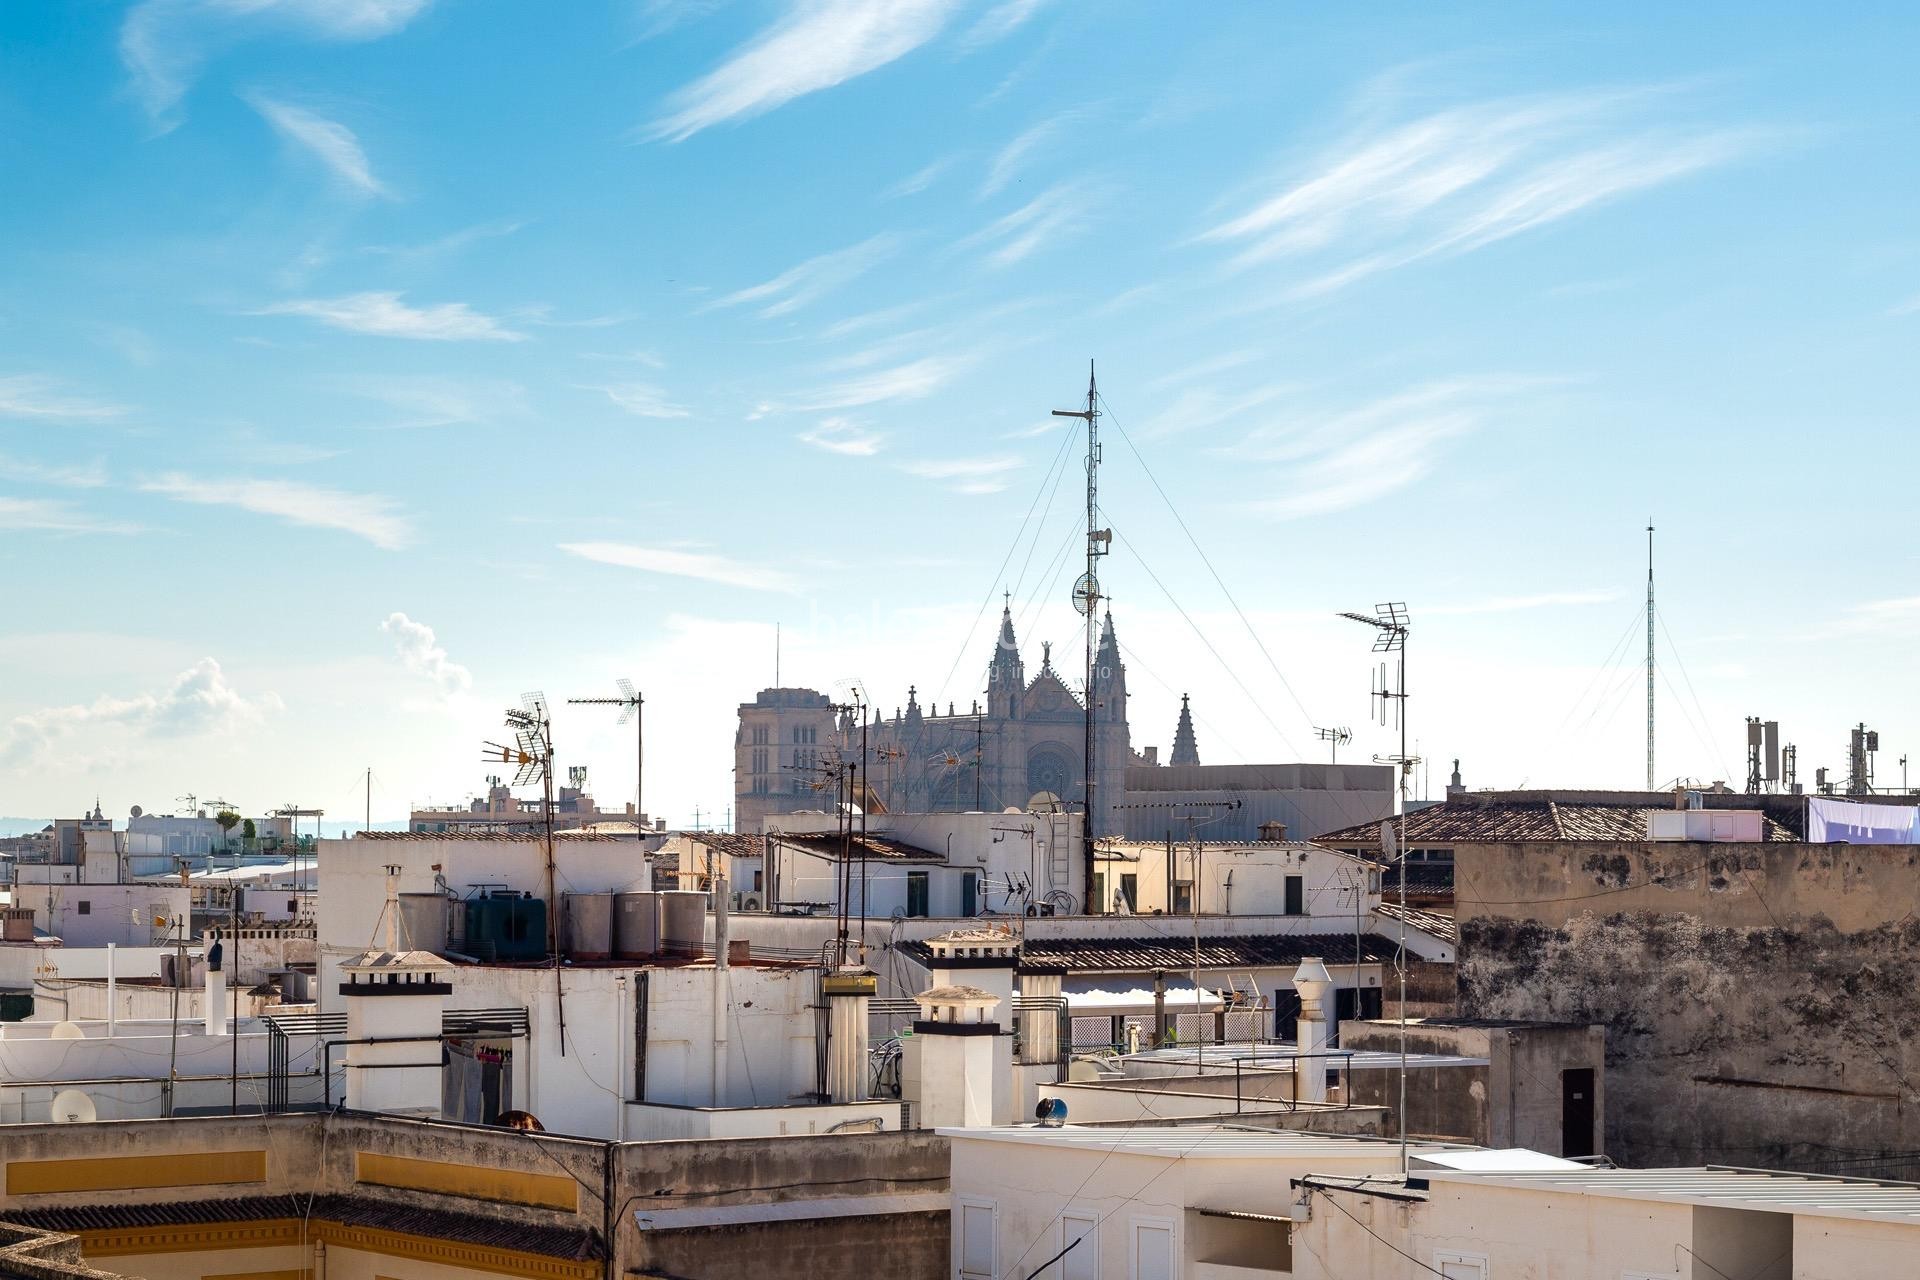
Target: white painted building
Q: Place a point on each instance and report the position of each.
(1245, 877)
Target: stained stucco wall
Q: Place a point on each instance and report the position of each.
(1761, 1001)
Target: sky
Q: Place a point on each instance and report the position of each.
(365, 364)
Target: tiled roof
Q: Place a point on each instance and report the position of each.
(875, 846)
(1431, 922)
(1143, 955)
(738, 844)
(1515, 821)
(555, 1241)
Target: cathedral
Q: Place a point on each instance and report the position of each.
(1027, 739)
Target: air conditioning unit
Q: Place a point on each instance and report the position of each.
(747, 901)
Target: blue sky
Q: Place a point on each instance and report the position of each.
(364, 363)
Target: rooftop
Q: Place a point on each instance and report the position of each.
(1171, 951)
(1221, 1142)
(737, 844)
(833, 846)
(521, 837)
(1727, 1188)
(1524, 816)
(1123, 850)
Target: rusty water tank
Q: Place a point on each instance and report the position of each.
(587, 921)
(636, 925)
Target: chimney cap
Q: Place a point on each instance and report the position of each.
(1312, 969)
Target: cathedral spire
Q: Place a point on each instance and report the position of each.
(1185, 750)
(1007, 675)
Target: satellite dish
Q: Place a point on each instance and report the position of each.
(66, 1031)
(137, 811)
(1086, 593)
(72, 1106)
(1389, 841)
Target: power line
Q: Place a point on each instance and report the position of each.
(1375, 1234)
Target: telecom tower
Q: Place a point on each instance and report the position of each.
(1086, 599)
(1650, 782)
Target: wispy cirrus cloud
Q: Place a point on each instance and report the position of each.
(165, 43)
(26, 395)
(328, 141)
(428, 400)
(642, 400)
(1022, 233)
(1346, 458)
(816, 45)
(966, 475)
(919, 180)
(1203, 408)
(1459, 180)
(420, 652)
(679, 562)
(386, 315)
(91, 476)
(813, 279)
(199, 700)
(377, 519)
(1011, 160)
(999, 22)
(910, 381)
(44, 515)
(838, 435)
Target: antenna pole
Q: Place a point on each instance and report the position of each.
(1088, 592)
(639, 765)
(1649, 655)
(369, 797)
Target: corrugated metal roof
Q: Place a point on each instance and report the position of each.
(1729, 1187)
(1171, 951)
(1429, 922)
(833, 846)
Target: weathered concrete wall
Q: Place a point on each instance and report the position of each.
(912, 1246)
(1761, 1001)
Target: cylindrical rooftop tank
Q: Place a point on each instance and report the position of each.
(636, 925)
(683, 921)
(424, 920)
(588, 922)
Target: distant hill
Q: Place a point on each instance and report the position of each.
(23, 826)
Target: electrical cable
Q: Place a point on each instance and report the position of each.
(1375, 1234)
(1195, 542)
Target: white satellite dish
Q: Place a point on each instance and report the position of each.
(66, 1031)
(72, 1106)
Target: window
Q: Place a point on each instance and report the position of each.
(1150, 1252)
(1182, 897)
(1129, 889)
(1082, 1261)
(1460, 1266)
(1296, 895)
(293, 906)
(86, 908)
(974, 1238)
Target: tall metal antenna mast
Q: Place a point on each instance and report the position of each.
(1649, 655)
(1086, 599)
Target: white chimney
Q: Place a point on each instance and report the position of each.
(216, 1009)
(848, 991)
(1315, 986)
(955, 1040)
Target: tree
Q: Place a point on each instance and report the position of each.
(247, 830)
(227, 819)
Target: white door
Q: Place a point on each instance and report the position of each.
(1081, 1262)
(976, 1240)
(1461, 1266)
(1152, 1249)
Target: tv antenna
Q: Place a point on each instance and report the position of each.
(531, 755)
(1086, 594)
(1335, 739)
(631, 705)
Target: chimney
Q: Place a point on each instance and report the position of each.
(1314, 985)
(216, 1009)
(1040, 1014)
(956, 1042)
(1273, 831)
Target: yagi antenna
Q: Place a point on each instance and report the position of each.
(631, 704)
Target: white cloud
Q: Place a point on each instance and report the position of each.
(816, 45)
(837, 435)
(643, 400)
(385, 315)
(426, 400)
(919, 180)
(679, 563)
(909, 381)
(91, 476)
(44, 515)
(1023, 232)
(420, 652)
(1347, 458)
(24, 395)
(969, 476)
(1459, 180)
(1001, 21)
(1199, 408)
(198, 701)
(797, 286)
(164, 43)
(370, 516)
(332, 143)
(1006, 165)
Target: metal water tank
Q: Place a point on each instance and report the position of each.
(636, 925)
(424, 920)
(587, 921)
(683, 922)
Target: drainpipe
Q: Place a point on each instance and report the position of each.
(113, 994)
(722, 988)
(620, 1056)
